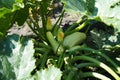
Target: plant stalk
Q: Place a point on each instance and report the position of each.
(101, 64)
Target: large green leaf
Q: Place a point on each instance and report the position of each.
(107, 10)
(22, 15)
(52, 73)
(11, 4)
(16, 58)
(6, 22)
(109, 14)
(80, 6)
(6, 3)
(106, 42)
(8, 10)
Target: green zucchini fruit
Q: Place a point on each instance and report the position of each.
(74, 39)
(55, 45)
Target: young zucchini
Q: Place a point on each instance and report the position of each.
(55, 45)
(74, 39)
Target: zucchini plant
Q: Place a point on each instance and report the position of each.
(87, 49)
(101, 24)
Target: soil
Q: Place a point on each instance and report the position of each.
(68, 19)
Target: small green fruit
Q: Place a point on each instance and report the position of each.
(74, 39)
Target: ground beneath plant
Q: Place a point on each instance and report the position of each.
(68, 19)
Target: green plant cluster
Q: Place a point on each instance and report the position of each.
(87, 49)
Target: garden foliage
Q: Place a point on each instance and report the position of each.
(87, 49)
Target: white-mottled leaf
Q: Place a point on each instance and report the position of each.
(107, 10)
(17, 58)
(51, 73)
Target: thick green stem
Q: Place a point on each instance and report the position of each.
(70, 75)
(59, 20)
(94, 74)
(43, 14)
(103, 55)
(97, 53)
(81, 65)
(44, 59)
(61, 60)
(102, 65)
(82, 25)
(42, 50)
(74, 25)
(69, 31)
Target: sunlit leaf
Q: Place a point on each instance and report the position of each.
(8, 10)
(16, 56)
(107, 10)
(52, 73)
